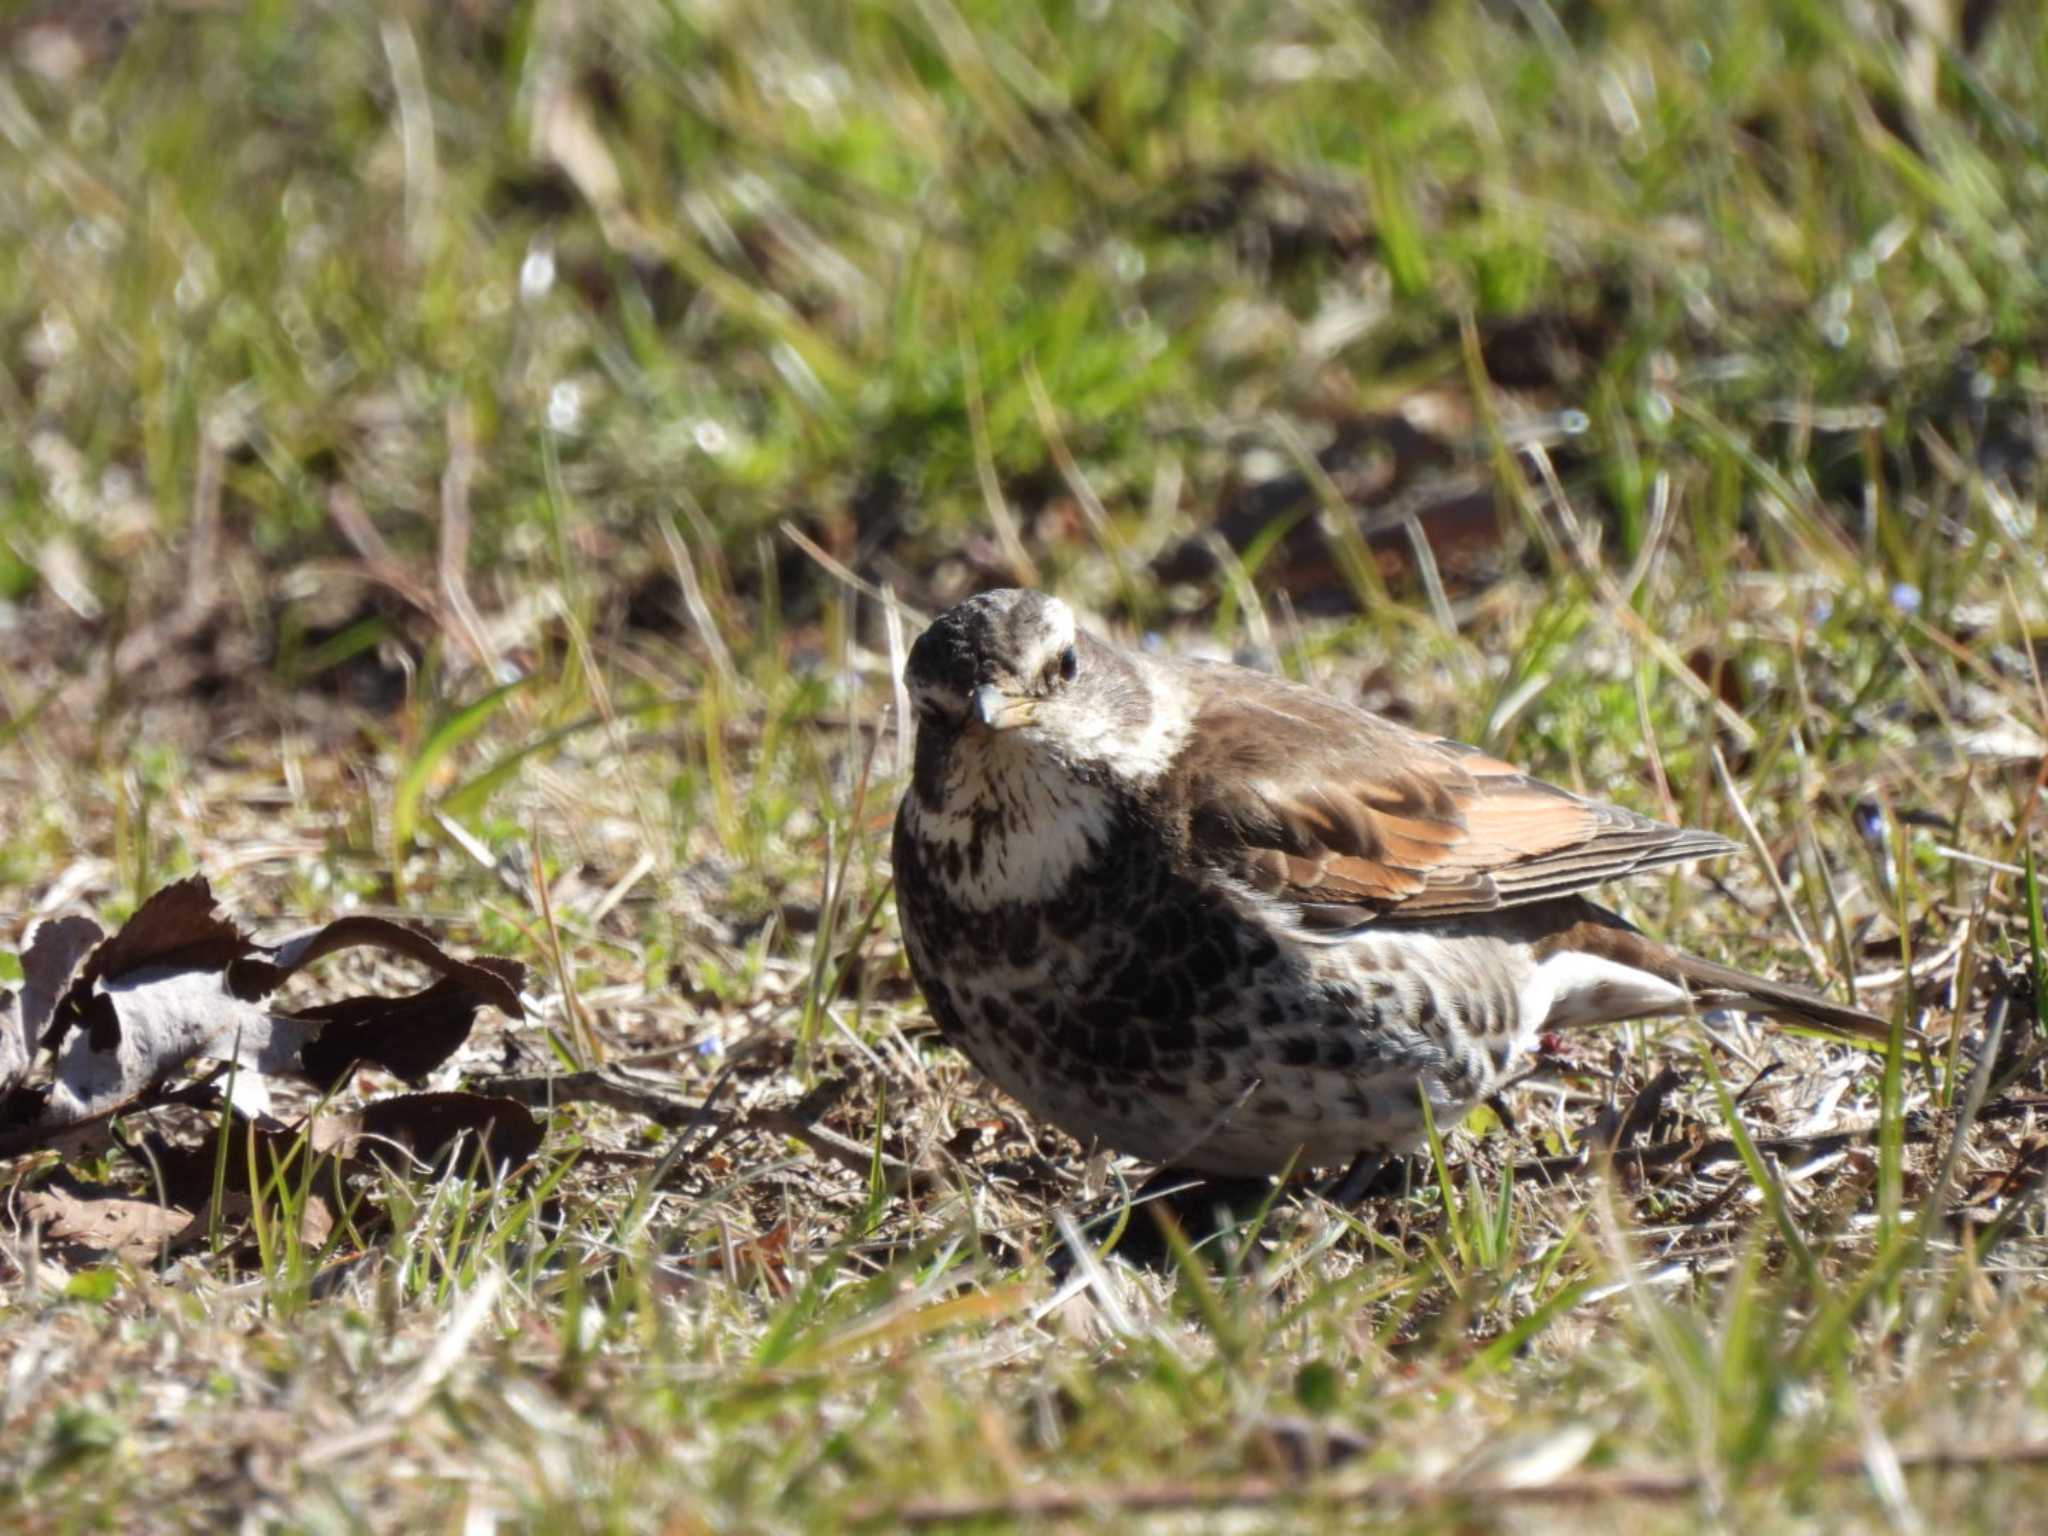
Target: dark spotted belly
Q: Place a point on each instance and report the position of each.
(1159, 1012)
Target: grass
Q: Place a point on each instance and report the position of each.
(403, 416)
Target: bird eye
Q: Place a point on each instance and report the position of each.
(1070, 663)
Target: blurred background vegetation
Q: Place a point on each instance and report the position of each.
(1133, 298)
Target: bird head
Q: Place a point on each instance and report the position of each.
(1000, 662)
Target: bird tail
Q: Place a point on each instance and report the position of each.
(1722, 986)
(1600, 933)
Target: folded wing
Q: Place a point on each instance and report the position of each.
(1354, 818)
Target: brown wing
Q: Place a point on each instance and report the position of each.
(1354, 817)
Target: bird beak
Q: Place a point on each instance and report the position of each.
(996, 712)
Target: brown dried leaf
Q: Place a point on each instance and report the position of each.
(408, 1036)
(262, 1157)
(495, 981)
(423, 1125)
(177, 928)
(427, 1125)
(84, 1222)
(316, 1220)
(180, 981)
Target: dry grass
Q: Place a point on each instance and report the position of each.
(392, 524)
(726, 1322)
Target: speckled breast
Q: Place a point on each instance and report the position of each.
(1114, 967)
(1149, 1007)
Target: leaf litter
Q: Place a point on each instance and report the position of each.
(107, 1028)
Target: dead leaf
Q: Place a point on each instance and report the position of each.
(86, 1222)
(133, 1030)
(47, 965)
(176, 929)
(316, 1222)
(497, 981)
(266, 1157)
(1303, 1447)
(408, 1036)
(180, 981)
(442, 1129)
(103, 1024)
(427, 1125)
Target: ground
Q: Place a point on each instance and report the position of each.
(480, 464)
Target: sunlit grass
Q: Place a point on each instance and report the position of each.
(494, 345)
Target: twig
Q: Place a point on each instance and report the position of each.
(461, 618)
(1023, 569)
(378, 563)
(1922, 969)
(1972, 1106)
(1619, 612)
(1092, 510)
(898, 1177)
(1919, 1128)
(899, 691)
(695, 605)
(1642, 1113)
(204, 588)
(415, 135)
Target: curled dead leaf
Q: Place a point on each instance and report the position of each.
(180, 981)
(103, 1026)
(84, 1223)
(407, 1036)
(316, 1221)
(313, 1160)
(47, 963)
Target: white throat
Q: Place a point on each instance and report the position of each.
(1033, 821)
(1037, 804)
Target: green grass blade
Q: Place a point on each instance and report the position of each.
(445, 738)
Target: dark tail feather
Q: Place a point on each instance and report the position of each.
(1600, 932)
(1721, 986)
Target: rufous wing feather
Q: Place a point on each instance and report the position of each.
(1356, 818)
